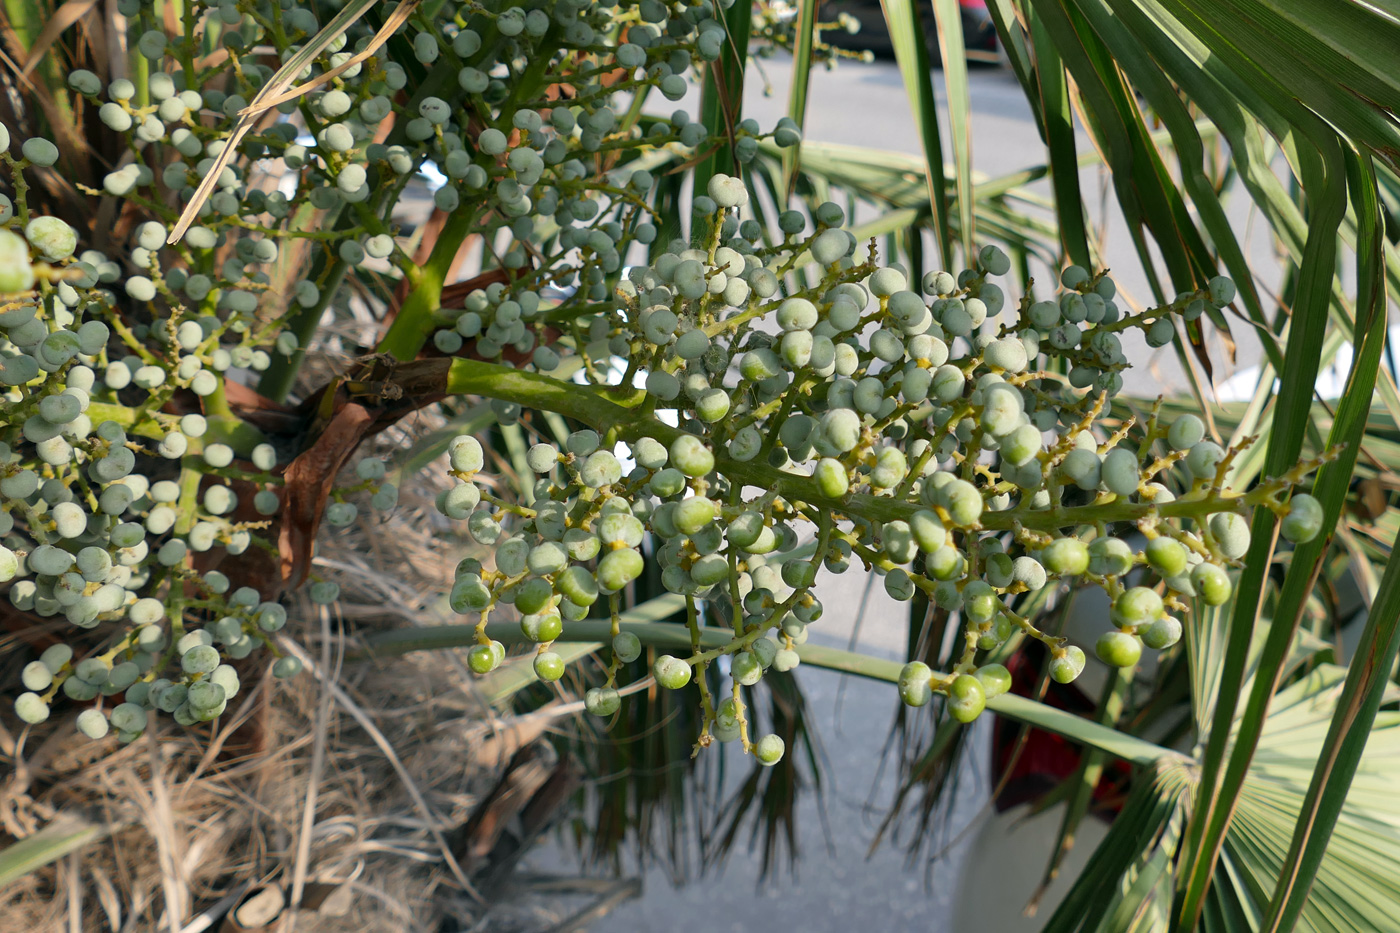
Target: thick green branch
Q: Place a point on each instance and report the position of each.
(674, 635)
(590, 406)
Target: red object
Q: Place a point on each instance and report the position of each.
(1046, 760)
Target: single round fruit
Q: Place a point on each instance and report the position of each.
(92, 723)
(1118, 649)
(1137, 606)
(1067, 557)
(627, 647)
(549, 666)
(966, 698)
(1167, 556)
(1212, 583)
(1231, 533)
(1163, 633)
(995, 679)
(602, 701)
(769, 750)
(1304, 519)
(671, 672)
(914, 680)
(1068, 666)
(482, 659)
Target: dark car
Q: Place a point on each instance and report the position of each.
(979, 33)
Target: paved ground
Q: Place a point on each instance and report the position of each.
(840, 889)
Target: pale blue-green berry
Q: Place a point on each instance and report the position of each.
(627, 647)
(1204, 458)
(1222, 291)
(16, 271)
(200, 659)
(40, 151)
(797, 314)
(724, 190)
(1119, 472)
(465, 454)
(1161, 332)
(1082, 468)
(830, 246)
(286, 667)
(1231, 533)
(1301, 524)
(53, 238)
(746, 668)
(92, 723)
(994, 260)
(1110, 557)
(691, 457)
(1186, 432)
(963, 502)
(602, 701)
(948, 382)
(56, 656)
(785, 660)
(36, 676)
(1162, 633)
(769, 750)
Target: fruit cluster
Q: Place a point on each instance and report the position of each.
(761, 401)
(120, 452)
(926, 429)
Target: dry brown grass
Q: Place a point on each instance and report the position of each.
(344, 779)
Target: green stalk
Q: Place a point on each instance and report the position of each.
(676, 635)
(590, 406)
(409, 331)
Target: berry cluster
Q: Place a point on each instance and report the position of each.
(762, 401)
(120, 453)
(925, 429)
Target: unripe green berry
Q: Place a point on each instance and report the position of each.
(1110, 557)
(1186, 432)
(1067, 557)
(691, 457)
(1212, 583)
(966, 698)
(1304, 519)
(769, 750)
(671, 672)
(1203, 459)
(549, 666)
(1067, 667)
(602, 701)
(995, 679)
(1118, 649)
(1137, 605)
(482, 659)
(1163, 633)
(1231, 533)
(627, 647)
(1167, 556)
